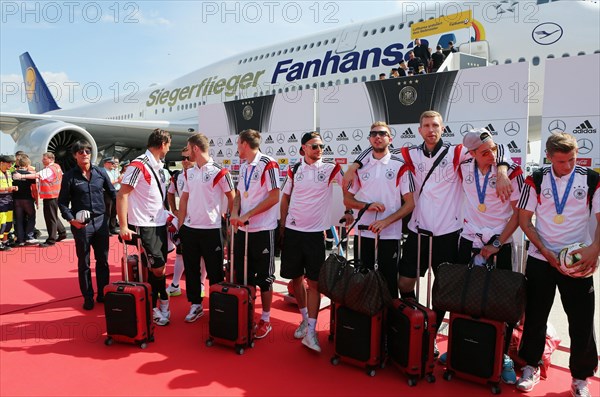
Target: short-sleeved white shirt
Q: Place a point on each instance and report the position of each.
(262, 174)
(145, 204)
(384, 181)
(479, 226)
(311, 188)
(47, 173)
(575, 228)
(206, 187)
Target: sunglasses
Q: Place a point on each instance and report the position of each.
(316, 146)
(84, 151)
(185, 158)
(373, 134)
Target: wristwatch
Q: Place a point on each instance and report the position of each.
(349, 212)
(496, 244)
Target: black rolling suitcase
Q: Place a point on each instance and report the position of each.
(128, 309)
(358, 337)
(231, 308)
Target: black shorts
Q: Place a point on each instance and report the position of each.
(303, 253)
(261, 258)
(445, 249)
(503, 257)
(154, 242)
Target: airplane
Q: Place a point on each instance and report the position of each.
(502, 32)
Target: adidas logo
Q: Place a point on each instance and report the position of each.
(280, 152)
(408, 133)
(269, 139)
(327, 151)
(357, 150)
(513, 148)
(292, 138)
(220, 154)
(237, 154)
(585, 128)
(491, 129)
(342, 136)
(448, 132)
(228, 143)
(211, 143)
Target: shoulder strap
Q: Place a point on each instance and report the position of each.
(294, 170)
(435, 164)
(537, 177)
(593, 181)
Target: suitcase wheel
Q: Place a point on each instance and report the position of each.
(330, 338)
(151, 339)
(412, 381)
(430, 378)
(448, 375)
(496, 389)
(335, 360)
(209, 342)
(239, 350)
(108, 341)
(143, 345)
(371, 371)
(251, 345)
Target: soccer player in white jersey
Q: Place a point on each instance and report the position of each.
(256, 198)
(562, 208)
(305, 205)
(488, 222)
(175, 190)
(380, 185)
(200, 213)
(437, 202)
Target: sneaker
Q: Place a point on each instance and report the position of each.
(436, 351)
(196, 311)
(443, 358)
(508, 371)
(88, 304)
(529, 378)
(301, 330)
(100, 298)
(46, 244)
(164, 312)
(31, 242)
(263, 328)
(579, 388)
(172, 290)
(4, 247)
(312, 342)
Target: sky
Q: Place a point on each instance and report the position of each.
(96, 50)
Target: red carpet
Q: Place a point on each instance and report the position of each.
(49, 346)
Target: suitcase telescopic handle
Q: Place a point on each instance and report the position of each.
(232, 238)
(366, 227)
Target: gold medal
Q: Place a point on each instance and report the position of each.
(246, 194)
(558, 219)
(481, 207)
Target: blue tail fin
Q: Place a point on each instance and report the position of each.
(39, 98)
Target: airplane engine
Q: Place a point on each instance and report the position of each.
(41, 136)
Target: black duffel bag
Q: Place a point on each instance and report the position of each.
(334, 276)
(480, 291)
(367, 291)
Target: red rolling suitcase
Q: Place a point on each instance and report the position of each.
(358, 337)
(130, 265)
(411, 330)
(128, 310)
(475, 350)
(231, 309)
(332, 306)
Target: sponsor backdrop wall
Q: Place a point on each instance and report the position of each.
(572, 104)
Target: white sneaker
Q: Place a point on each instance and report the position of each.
(196, 311)
(529, 378)
(301, 330)
(165, 313)
(173, 290)
(156, 314)
(579, 388)
(312, 342)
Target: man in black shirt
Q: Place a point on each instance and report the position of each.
(82, 190)
(437, 58)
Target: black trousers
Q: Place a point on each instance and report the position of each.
(53, 224)
(93, 235)
(110, 206)
(577, 297)
(197, 244)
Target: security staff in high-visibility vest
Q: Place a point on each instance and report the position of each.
(6, 200)
(50, 179)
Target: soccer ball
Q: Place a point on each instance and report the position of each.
(566, 261)
(83, 216)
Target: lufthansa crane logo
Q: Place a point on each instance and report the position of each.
(30, 83)
(547, 33)
(557, 126)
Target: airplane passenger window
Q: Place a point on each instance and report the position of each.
(298, 48)
(346, 81)
(318, 44)
(535, 60)
(273, 54)
(401, 26)
(521, 59)
(365, 33)
(304, 46)
(326, 41)
(373, 32)
(550, 56)
(279, 90)
(285, 51)
(312, 45)
(266, 55)
(355, 79)
(373, 77)
(155, 111)
(287, 89)
(508, 60)
(565, 55)
(410, 23)
(314, 85)
(256, 57)
(363, 78)
(261, 57)
(333, 40)
(245, 60)
(420, 19)
(308, 86)
(239, 62)
(330, 83)
(163, 110)
(279, 52)
(382, 30)
(322, 84)
(581, 53)
(338, 82)
(392, 28)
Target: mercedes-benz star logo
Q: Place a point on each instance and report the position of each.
(280, 138)
(585, 146)
(466, 128)
(357, 135)
(327, 136)
(512, 128)
(270, 151)
(557, 126)
(292, 151)
(393, 133)
(342, 150)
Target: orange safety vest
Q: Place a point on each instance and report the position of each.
(49, 189)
